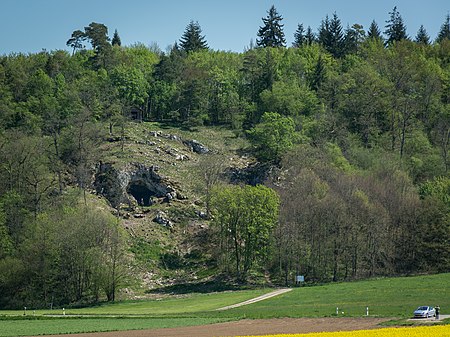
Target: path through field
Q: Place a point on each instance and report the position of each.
(257, 299)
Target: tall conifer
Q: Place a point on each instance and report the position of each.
(374, 32)
(192, 39)
(116, 39)
(271, 33)
(299, 36)
(444, 32)
(395, 28)
(310, 37)
(422, 36)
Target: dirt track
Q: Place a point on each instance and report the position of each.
(250, 327)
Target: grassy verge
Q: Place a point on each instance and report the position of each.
(180, 305)
(80, 325)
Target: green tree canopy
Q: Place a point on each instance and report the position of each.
(97, 33)
(76, 40)
(273, 136)
(131, 84)
(244, 218)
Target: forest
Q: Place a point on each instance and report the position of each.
(350, 126)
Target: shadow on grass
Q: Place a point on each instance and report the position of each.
(217, 285)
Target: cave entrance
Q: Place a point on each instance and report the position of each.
(141, 193)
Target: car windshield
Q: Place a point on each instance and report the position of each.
(422, 308)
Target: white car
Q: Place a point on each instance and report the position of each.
(425, 312)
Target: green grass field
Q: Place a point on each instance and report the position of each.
(79, 325)
(389, 297)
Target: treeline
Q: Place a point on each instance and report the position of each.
(360, 135)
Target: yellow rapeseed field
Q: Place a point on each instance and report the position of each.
(423, 331)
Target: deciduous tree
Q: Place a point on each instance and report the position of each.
(244, 218)
(273, 136)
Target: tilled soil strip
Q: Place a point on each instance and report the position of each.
(248, 327)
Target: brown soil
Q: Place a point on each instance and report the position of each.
(249, 327)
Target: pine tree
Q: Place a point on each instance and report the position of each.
(310, 37)
(331, 35)
(374, 32)
(337, 36)
(299, 37)
(323, 36)
(76, 40)
(192, 39)
(444, 32)
(116, 39)
(319, 74)
(395, 28)
(422, 36)
(271, 33)
(352, 38)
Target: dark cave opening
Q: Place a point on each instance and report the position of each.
(141, 193)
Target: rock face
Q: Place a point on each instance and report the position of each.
(162, 219)
(136, 183)
(196, 147)
(193, 145)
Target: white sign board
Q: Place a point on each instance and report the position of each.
(300, 278)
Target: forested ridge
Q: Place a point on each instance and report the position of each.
(347, 133)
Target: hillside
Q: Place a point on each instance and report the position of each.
(161, 199)
(125, 171)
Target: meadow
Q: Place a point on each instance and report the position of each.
(388, 297)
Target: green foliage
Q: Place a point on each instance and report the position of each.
(444, 32)
(192, 39)
(331, 36)
(71, 254)
(289, 99)
(271, 33)
(336, 157)
(395, 28)
(273, 136)
(116, 39)
(131, 84)
(438, 187)
(374, 32)
(422, 36)
(244, 218)
(6, 244)
(372, 120)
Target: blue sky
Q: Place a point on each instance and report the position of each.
(33, 25)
